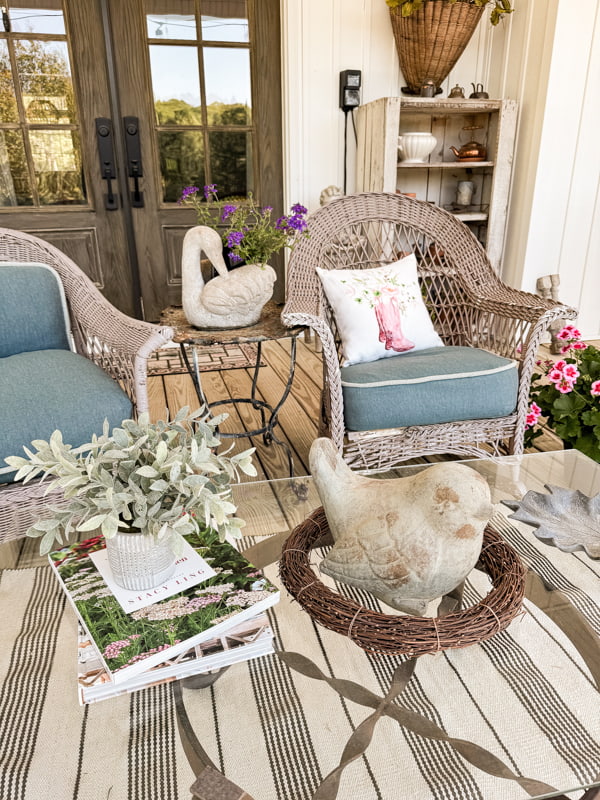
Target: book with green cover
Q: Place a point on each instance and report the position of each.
(250, 639)
(133, 643)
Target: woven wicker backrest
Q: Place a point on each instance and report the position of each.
(367, 230)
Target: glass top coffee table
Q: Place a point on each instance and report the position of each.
(514, 717)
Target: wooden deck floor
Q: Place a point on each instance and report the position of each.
(298, 416)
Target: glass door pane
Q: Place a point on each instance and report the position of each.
(202, 94)
(39, 129)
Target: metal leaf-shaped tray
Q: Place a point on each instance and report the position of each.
(567, 518)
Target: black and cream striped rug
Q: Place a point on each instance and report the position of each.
(526, 696)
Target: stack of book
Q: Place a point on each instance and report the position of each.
(208, 615)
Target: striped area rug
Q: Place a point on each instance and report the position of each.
(278, 734)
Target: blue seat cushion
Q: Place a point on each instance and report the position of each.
(33, 310)
(439, 384)
(49, 389)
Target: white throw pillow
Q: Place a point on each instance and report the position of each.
(379, 312)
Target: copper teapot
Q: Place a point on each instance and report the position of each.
(472, 150)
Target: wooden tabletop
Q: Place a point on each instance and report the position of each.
(268, 327)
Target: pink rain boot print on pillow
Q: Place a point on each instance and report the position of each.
(390, 328)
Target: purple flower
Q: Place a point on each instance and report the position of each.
(234, 258)
(227, 212)
(267, 209)
(188, 192)
(282, 223)
(234, 238)
(209, 189)
(296, 223)
(298, 209)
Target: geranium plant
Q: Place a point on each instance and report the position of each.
(164, 479)
(499, 7)
(251, 233)
(566, 393)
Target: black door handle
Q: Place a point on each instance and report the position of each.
(104, 137)
(134, 158)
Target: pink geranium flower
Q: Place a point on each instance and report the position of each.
(555, 375)
(560, 365)
(564, 386)
(569, 332)
(571, 372)
(595, 388)
(579, 346)
(533, 416)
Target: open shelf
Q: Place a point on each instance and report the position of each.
(446, 164)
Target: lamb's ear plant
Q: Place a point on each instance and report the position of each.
(165, 479)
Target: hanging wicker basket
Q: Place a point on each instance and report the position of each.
(431, 41)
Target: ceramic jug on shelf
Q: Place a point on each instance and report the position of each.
(415, 147)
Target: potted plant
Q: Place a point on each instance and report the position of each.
(232, 299)
(566, 393)
(251, 235)
(143, 487)
(431, 35)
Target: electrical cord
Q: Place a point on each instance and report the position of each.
(345, 145)
(346, 139)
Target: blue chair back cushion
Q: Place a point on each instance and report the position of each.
(49, 389)
(439, 384)
(33, 311)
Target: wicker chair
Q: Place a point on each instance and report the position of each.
(468, 304)
(118, 344)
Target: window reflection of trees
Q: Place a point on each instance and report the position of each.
(182, 152)
(46, 89)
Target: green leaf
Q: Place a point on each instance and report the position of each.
(56, 443)
(120, 438)
(110, 526)
(591, 418)
(568, 430)
(159, 486)
(161, 453)
(92, 523)
(46, 543)
(589, 447)
(47, 524)
(147, 472)
(567, 404)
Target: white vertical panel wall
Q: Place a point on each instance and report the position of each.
(545, 56)
(320, 39)
(552, 65)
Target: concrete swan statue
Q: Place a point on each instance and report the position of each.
(407, 540)
(231, 299)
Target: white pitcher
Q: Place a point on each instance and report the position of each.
(415, 147)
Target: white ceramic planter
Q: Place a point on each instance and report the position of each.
(415, 147)
(138, 561)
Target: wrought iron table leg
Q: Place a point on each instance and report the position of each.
(194, 374)
(267, 424)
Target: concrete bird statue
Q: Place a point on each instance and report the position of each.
(407, 540)
(232, 299)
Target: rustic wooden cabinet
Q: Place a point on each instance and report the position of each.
(453, 123)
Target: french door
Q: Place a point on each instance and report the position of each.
(109, 108)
